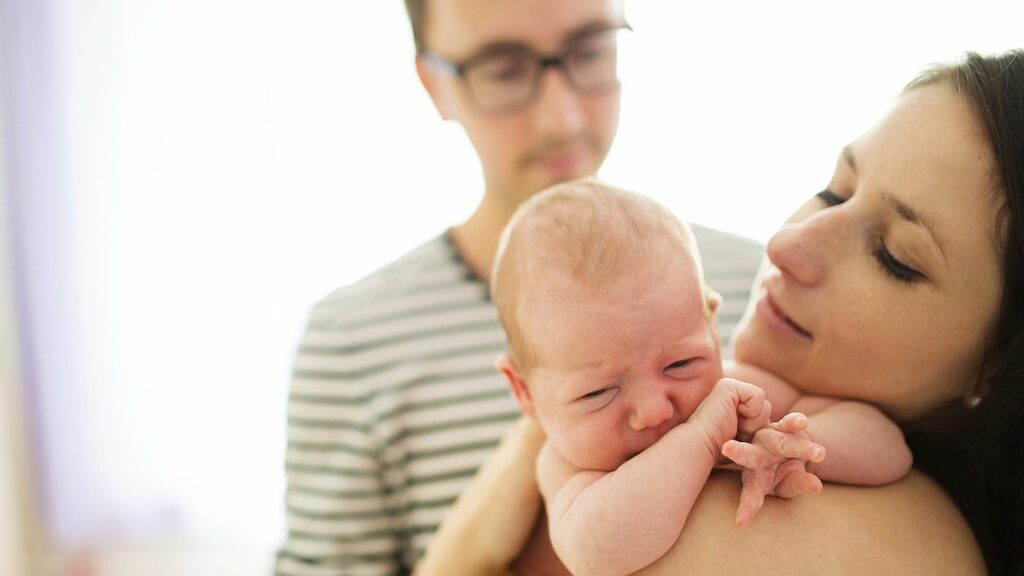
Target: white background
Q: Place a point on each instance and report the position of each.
(216, 165)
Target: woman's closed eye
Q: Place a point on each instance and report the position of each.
(889, 263)
(893, 266)
(831, 198)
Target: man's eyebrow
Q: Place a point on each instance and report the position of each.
(499, 46)
(908, 213)
(594, 26)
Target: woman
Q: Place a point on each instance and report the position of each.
(901, 284)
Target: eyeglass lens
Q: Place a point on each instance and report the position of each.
(507, 80)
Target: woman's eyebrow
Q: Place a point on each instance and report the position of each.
(848, 156)
(908, 213)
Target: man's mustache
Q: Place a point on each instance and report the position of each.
(553, 147)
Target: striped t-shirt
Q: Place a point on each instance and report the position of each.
(395, 403)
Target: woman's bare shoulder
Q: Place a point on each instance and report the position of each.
(910, 527)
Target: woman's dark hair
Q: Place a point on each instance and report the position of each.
(417, 10)
(974, 448)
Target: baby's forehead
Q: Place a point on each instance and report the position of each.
(576, 326)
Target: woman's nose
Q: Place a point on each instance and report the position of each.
(651, 411)
(797, 250)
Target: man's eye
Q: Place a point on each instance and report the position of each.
(505, 69)
(590, 51)
(831, 198)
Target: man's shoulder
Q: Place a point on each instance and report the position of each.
(417, 286)
(434, 263)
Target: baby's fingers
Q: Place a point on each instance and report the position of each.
(786, 445)
(797, 482)
(753, 416)
(750, 504)
(744, 454)
(751, 496)
(792, 423)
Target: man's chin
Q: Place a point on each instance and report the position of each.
(547, 178)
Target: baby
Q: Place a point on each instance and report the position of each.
(613, 349)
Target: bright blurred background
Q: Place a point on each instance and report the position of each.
(180, 181)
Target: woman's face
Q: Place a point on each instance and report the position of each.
(887, 289)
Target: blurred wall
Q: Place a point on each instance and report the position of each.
(12, 469)
(15, 501)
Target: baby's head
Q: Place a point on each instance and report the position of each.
(612, 338)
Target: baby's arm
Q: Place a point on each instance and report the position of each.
(615, 523)
(863, 445)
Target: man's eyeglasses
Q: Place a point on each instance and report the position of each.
(508, 78)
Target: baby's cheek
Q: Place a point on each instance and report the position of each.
(583, 446)
(690, 395)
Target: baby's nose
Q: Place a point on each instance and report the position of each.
(651, 412)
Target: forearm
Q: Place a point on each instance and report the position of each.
(862, 445)
(628, 518)
(492, 519)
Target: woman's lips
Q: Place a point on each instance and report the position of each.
(771, 315)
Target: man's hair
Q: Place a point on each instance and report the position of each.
(417, 10)
(595, 236)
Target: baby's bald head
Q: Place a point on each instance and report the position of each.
(582, 238)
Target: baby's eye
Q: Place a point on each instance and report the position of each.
(685, 369)
(594, 394)
(678, 364)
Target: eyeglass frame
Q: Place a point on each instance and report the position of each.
(549, 60)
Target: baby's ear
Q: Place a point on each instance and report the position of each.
(714, 300)
(520, 390)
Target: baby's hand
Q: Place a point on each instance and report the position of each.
(730, 405)
(775, 464)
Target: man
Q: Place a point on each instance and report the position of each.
(395, 401)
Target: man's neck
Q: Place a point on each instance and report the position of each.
(476, 239)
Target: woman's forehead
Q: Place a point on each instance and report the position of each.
(931, 155)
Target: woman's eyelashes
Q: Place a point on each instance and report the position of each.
(889, 263)
(893, 267)
(831, 198)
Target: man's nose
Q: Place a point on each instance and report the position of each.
(558, 112)
(651, 410)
